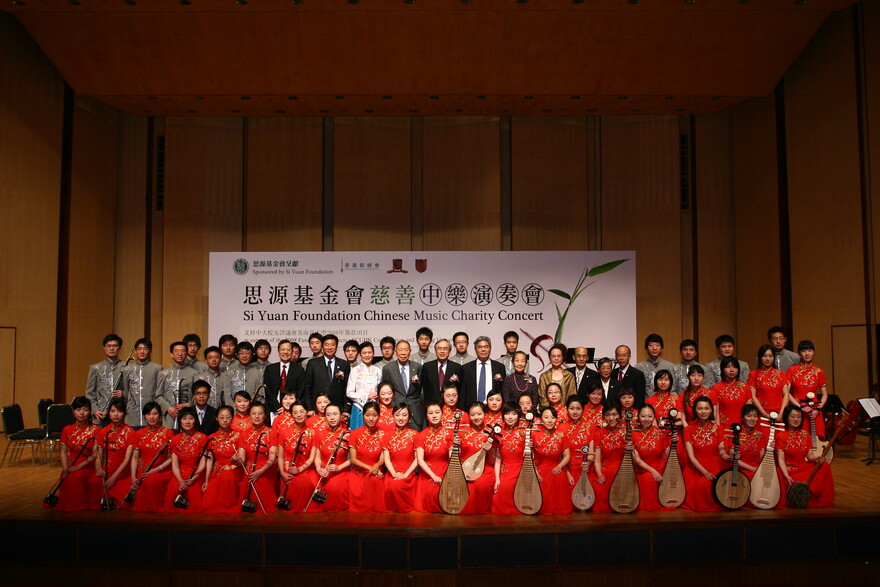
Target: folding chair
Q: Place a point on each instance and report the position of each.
(57, 417)
(18, 438)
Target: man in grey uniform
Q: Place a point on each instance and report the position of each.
(193, 343)
(212, 376)
(174, 385)
(245, 375)
(688, 349)
(460, 341)
(655, 362)
(784, 358)
(424, 337)
(726, 346)
(104, 379)
(139, 381)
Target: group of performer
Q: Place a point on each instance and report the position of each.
(385, 444)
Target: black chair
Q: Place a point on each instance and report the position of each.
(42, 407)
(57, 417)
(18, 438)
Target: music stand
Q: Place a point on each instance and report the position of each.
(872, 410)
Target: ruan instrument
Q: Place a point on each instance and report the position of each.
(527, 495)
(818, 445)
(319, 495)
(107, 503)
(453, 489)
(731, 487)
(51, 499)
(474, 465)
(116, 386)
(624, 495)
(283, 502)
(799, 494)
(582, 496)
(247, 506)
(129, 498)
(672, 490)
(765, 491)
(181, 501)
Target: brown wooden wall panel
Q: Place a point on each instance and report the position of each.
(284, 176)
(371, 184)
(462, 184)
(549, 206)
(640, 211)
(30, 173)
(716, 255)
(871, 60)
(93, 238)
(203, 213)
(824, 188)
(756, 227)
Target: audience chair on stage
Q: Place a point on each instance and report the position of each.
(18, 437)
(57, 417)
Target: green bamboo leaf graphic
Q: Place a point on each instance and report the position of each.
(560, 293)
(605, 268)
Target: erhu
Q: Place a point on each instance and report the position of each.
(318, 495)
(115, 386)
(129, 498)
(247, 506)
(51, 499)
(283, 502)
(107, 503)
(181, 501)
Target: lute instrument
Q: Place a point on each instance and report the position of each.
(319, 495)
(181, 500)
(818, 445)
(527, 496)
(474, 465)
(624, 495)
(731, 487)
(453, 489)
(582, 496)
(51, 499)
(672, 490)
(248, 506)
(129, 498)
(765, 491)
(799, 494)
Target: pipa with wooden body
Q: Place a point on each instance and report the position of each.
(732, 487)
(582, 496)
(818, 445)
(474, 465)
(453, 490)
(527, 496)
(624, 495)
(765, 491)
(672, 490)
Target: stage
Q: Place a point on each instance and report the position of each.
(784, 546)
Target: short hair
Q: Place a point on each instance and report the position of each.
(400, 406)
(327, 337)
(371, 405)
(654, 337)
(509, 407)
(426, 331)
(259, 405)
(723, 339)
(149, 407)
(553, 384)
(492, 392)
(610, 406)
(315, 335)
(626, 391)
(775, 330)
(351, 344)
(174, 344)
(688, 342)
(111, 337)
(696, 369)
(787, 412)
(664, 373)
(523, 353)
(119, 404)
(144, 341)
(480, 405)
(511, 334)
(212, 349)
(295, 345)
(193, 337)
(747, 409)
(602, 361)
(480, 339)
(446, 340)
(262, 342)
(447, 384)
(365, 345)
(573, 398)
(387, 339)
(460, 333)
(242, 393)
(728, 361)
(227, 338)
(283, 341)
(806, 345)
(244, 346)
(187, 411)
(199, 384)
(560, 347)
(551, 409)
(402, 341)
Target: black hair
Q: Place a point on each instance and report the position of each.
(149, 407)
(724, 338)
(425, 330)
(174, 344)
(212, 349)
(688, 342)
(111, 337)
(144, 341)
(654, 337)
(193, 337)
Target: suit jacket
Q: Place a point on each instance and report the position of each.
(588, 377)
(468, 390)
(431, 379)
(296, 381)
(318, 383)
(413, 395)
(633, 379)
(209, 425)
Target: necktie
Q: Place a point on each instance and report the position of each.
(579, 373)
(441, 376)
(620, 375)
(283, 377)
(330, 370)
(481, 386)
(403, 378)
(201, 418)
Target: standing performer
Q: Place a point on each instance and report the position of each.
(432, 452)
(400, 460)
(595, 405)
(450, 406)
(553, 393)
(651, 446)
(139, 381)
(769, 385)
(241, 422)
(102, 377)
(81, 489)
(806, 377)
(257, 455)
(695, 389)
(222, 485)
(366, 485)
(187, 464)
(318, 421)
(386, 407)
(332, 464)
(150, 482)
(472, 439)
(796, 460)
(663, 399)
(510, 456)
(608, 446)
(701, 440)
(114, 444)
(551, 459)
(730, 394)
(494, 401)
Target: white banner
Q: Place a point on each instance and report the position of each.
(580, 298)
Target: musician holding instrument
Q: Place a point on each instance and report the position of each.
(701, 440)
(663, 399)
(608, 445)
(222, 484)
(257, 455)
(174, 385)
(296, 455)
(752, 442)
(552, 456)
(114, 444)
(769, 385)
(806, 377)
(472, 439)
(433, 445)
(187, 464)
(510, 458)
(366, 485)
(104, 381)
(81, 489)
(331, 462)
(139, 383)
(241, 421)
(651, 449)
(796, 460)
(150, 447)
(400, 460)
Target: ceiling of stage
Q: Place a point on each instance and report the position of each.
(422, 57)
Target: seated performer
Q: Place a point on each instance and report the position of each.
(222, 484)
(608, 445)
(701, 440)
(752, 442)
(432, 452)
(114, 444)
(472, 439)
(187, 464)
(296, 455)
(651, 448)
(510, 457)
(150, 482)
(257, 455)
(796, 460)
(332, 462)
(81, 489)
(400, 460)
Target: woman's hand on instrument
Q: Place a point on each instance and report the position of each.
(332, 468)
(709, 476)
(629, 445)
(456, 440)
(99, 415)
(657, 477)
(487, 446)
(253, 476)
(323, 472)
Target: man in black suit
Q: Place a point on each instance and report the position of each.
(405, 377)
(628, 376)
(480, 376)
(327, 374)
(432, 371)
(283, 376)
(583, 375)
(206, 415)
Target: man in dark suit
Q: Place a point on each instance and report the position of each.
(405, 377)
(283, 376)
(327, 374)
(441, 367)
(480, 376)
(628, 376)
(583, 375)
(206, 415)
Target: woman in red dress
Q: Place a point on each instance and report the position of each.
(81, 489)
(400, 460)
(526, 405)
(663, 399)
(481, 491)
(701, 440)
(297, 477)
(695, 389)
(796, 460)
(752, 443)
(551, 459)
(554, 400)
(494, 401)
(626, 401)
(150, 483)
(730, 394)
(366, 485)
(608, 445)
(595, 405)
(331, 461)
(769, 385)
(510, 458)
(386, 408)
(114, 443)
(805, 377)
(186, 457)
(450, 407)
(578, 433)
(222, 484)
(257, 455)
(318, 420)
(432, 452)
(242, 420)
(651, 449)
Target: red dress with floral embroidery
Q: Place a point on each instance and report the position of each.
(663, 402)
(241, 423)
(561, 413)
(751, 446)
(512, 448)
(611, 444)
(317, 423)
(704, 438)
(578, 434)
(593, 416)
(366, 492)
(796, 444)
(481, 491)
(400, 494)
(493, 418)
(336, 485)
(187, 447)
(768, 384)
(804, 379)
(435, 442)
(555, 490)
(81, 489)
(386, 419)
(224, 487)
(292, 440)
(730, 398)
(114, 442)
(651, 445)
(256, 444)
(151, 494)
(448, 418)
